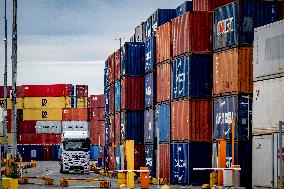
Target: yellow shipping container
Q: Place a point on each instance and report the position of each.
(42, 114)
(9, 139)
(47, 102)
(82, 102)
(20, 103)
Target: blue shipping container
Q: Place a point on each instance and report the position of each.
(149, 126)
(148, 28)
(95, 152)
(117, 95)
(150, 90)
(234, 23)
(107, 101)
(227, 107)
(132, 126)
(150, 158)
(73, 102)
(35, 152)
(160, 17)
(192, 76)
(133, 59)
(106, 78)
(23, 150)
(106, 157)
(117, 158)
(107, 133)
(183, 8)
(162, 118)
(55, 152)
(185, 157)
(150, 54)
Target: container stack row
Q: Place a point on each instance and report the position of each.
(233, 36)
(44, 112)
(268, 105)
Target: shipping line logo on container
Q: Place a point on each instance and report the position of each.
(44, 102)
(224, 118)
(225, 26)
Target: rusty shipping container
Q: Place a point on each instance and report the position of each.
(81, 91)
(111, 98)
(163, 82)
(117, 138)
(165, 162)
(32, 138)
(111, 68)
(209, 5)
(25, 127)
(97, 132)
(163, 43)
(191, 120)
(96, 101)
(192, 33)
(46, 90)
(132, 93)
(233, 71)
(117, 60)
(96, 114)
(75, 114)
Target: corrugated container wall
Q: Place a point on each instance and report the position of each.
(149, 126)
(234, 23)
(48, 127)
(107, 131)
(117, 95)
(26, 127)
(139, 156)
(96, 101)
(268, 51)
(228, 107)
(160, 17)
(111, 129)
(132, 126)
(96, 114)
(165, 155)
(46, 90)
(192, 32)
(185, 157)
(150, 54)
(117, 138)
(148, 28)
(163, 82)
(97, 132)
(164, 43)
(233, 71)
(150, 159)
(107, 101)
(132, 93)
(75, 126)
(268, 106)
(117, 156)
(32, 138)
(209, 5)
(106, 74)
(133, 38)
(111, 68)
(111, 99)
(75, 114)
(150, 90)
(133, 59)
(191, 120)
(47, 102)
(162, 118)
(192, 76)
(183, 8)
(139, 33)
(117, 62)
(42, 114)
(81, 91)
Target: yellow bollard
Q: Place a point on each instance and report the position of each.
(130, 180)
(121, 178)
(165, 187)
(9, 183)
(129, 153)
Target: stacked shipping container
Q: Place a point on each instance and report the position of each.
(268, 106)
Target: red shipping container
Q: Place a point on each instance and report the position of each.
(164, 42)
(111, 67)
(97, 114)
(75, 114)
(163, 82)
(117, 129)
(191, 120)
(47, 152)
(19, 115)
(165, 162)
(111, 159)
(111, 98)
(117, 61)
(82, 90)
(132, 93)
(27, 127)
(97, 132)
(32, 138)
(57, 90)
(96, 101)
(111, 129)
(139, 156)
(19, 91)
(192, 33)
(209, 5)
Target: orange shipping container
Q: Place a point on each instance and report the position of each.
(163, 82)
(75, 114)
(233, 71)
(97, 132)
(191, 120)
(165, 161)
(164, 44)
(117, 129)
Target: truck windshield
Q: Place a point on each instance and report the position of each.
(77, 145)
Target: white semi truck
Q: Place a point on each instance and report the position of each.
(75, 152)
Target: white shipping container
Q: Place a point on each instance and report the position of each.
(48, 127)
(139, 33)
(262, 156)
(268, 51)
(268, 105)
(75, 126)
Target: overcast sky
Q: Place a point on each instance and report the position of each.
(67, 41)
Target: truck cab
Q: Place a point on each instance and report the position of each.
(75, 152)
